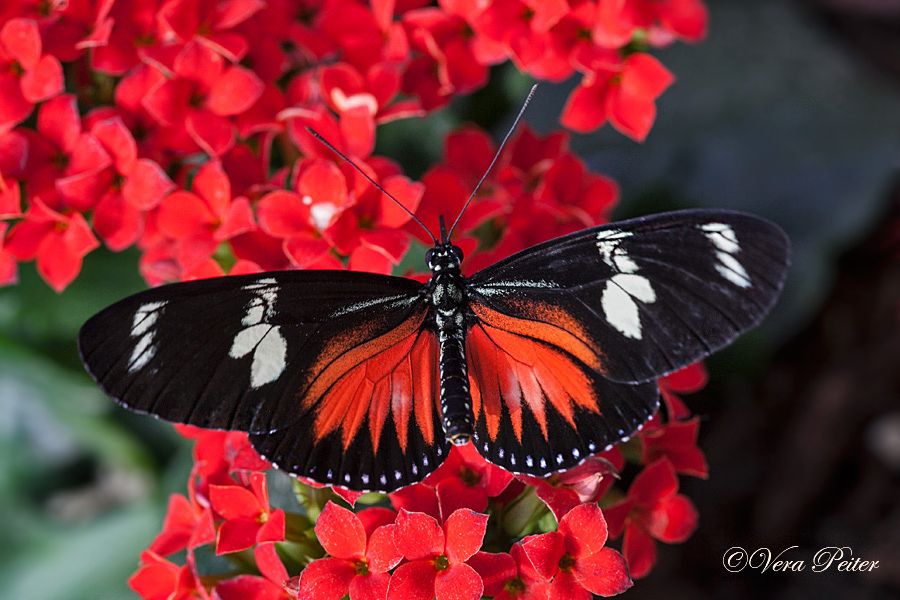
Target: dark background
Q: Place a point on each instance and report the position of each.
(789, 110)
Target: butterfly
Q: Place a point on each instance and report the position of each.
(364, 380)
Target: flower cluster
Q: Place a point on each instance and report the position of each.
(469, 530)
(181, 127)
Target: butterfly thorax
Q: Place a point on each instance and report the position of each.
(448, 300)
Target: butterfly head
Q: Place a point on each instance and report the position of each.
(443, 257)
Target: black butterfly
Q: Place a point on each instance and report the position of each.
(364, 380)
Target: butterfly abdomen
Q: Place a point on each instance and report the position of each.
(448, 300)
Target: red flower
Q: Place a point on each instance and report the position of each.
(510, 576)
(360, 557)
(684, 381)
(58, 241)
(160, 579)
(466, 480)
(437, 556)
(587, 482)
(202, 93)
(653, 509)
(248, 518)
(138, 185)
(187, 525)
(618, 20)
(198, 221)
(625, 96)
(677, 441)
(27, 76)
(66, 167)
(271, 586)
(575, 558)
(210, 21)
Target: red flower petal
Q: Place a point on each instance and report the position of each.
(341, 532)
(214, 134)
(325, 579)
(234, 92)
(458, 582)
(234, 502)
(465, 533)
(494, 569)
(453, 494)
(585, 530)
(147, 184)
(323, 182)
(381, 551)
(273, 528)
(58, 119)
(412, 581)
(178, 526)
(604, 573)
(182, 213)
(370, 260)
(585, 110)
(13, 106)
(639, 550)
(235, 535)
(373, 586)
(21, 40)
(674, 520)
(655, 482)
(238, 220)
(269, 563)
(283, 214)
(117, 222)
(418, 535)
(44, 81)
(544, 552)
(248, 587)
(566, 587)
(117, 139)
(408, 193)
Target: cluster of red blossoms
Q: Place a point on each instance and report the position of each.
(180, 127)
(469, 530)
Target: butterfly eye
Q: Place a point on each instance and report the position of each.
(457, 252)
(428, 256)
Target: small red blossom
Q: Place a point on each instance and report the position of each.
(359, 557)
(653, 509)
(677, 441)
(466, 480)
(684, 381)
(201, 96)
(587, 482)
(626, 97)
(58, 241)
(248, 518)
(209, 22)
(510, 576)
(575, 560)
(27, 75)
(437, 556)
(618, 20)
(187, 525)
(160, 579)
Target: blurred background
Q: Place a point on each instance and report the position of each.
(788, 110)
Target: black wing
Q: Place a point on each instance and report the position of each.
(332, 373)
(590, 319)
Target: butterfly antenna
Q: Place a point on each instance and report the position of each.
(372, 181)
(496, 156)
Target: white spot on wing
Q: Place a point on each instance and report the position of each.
(269, 350)
(725, 240)
(618, 302)
(732, 270)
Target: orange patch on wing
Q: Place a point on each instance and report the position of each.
(396, 376)
(550, 324)
(508, 369)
